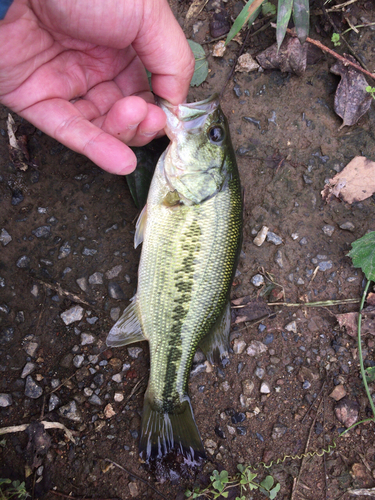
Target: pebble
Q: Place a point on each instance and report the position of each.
(95, 400)
(115, 291)
(134, 352)
(64, 250)
(247, 387)
(27, 369)
(306, 385)
(274, 238)
(71, 412)
(265, 388)
(115, 313)
(328, 230)
(260, 372)
(54, 402)
(257, 280)
(23, 262)
(278, 431)
(294, 236)
(118, 397)
(5, 237)
(239, 346)
(73, 314)
(87, 338)
(87, 391)
(325, 265)
(114, 272)
(347, 412)
(219, 49)
(237, 90)
(83, 284)
(133, 489)
(241, 431)
(261, 236)
(78, 360)
(268, 339)
(32, 389)
(117, 378)
(109, 411)
(42, 231)
(89, 252)
(338, 392)
(31, 348)
(246, 64)
(5, 400)
(291, 327)
(96, 279)
(303, 241)
(279, 259)
(225, 386)
(231, 430)
(238, 418)
(255, 348)
(347, 226)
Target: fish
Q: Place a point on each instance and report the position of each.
(191, 234)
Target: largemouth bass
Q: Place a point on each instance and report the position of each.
(191, 232)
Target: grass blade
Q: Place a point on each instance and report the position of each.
(247, 14)
(301, 15)
(284, 11)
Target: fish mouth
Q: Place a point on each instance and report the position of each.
(189, 117)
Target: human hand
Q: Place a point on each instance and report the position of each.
(76, 70)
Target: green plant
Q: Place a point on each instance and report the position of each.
(285, 8)
(244, 479)
(371, 90)
(335, 39)
(15, 490)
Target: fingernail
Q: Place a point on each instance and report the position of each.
(127, 170)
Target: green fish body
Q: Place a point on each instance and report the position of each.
(191, 232)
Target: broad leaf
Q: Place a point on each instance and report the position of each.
(201, 64)
(284, 11)
(247, 15)
(267, 483)
(363, 254)
(370, 374)
(275, 491)
(301, 15)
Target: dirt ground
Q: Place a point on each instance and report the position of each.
(70, 221)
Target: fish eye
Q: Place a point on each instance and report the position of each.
(216, 134)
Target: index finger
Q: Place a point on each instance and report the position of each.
(165, 52)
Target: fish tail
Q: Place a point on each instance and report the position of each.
(164, 433)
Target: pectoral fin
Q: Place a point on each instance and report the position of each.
(140, 227)
(215, 345)
(127, 329)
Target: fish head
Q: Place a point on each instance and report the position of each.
(196, 163)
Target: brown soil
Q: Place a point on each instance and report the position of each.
(283, 164)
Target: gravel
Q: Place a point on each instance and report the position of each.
(72, 315)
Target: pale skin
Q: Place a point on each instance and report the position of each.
(76, 70)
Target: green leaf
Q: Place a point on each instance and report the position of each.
(224, 476)
(247, 15)
(370, 374)
(241, 467)
(275, 491)
(188, 493)
(251, 476)
(224, 494)
(301, 15)
(268, 9)
(363, 254)
(284, 11)
(201, 64)
(267, 483)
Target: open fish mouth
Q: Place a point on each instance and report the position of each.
(187, 117)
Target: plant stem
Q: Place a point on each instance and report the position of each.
(322, 303)
(363, 373)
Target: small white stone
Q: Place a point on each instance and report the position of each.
(291, 327)
(134, 352)
(87, 338)
(87, 391)
(27, 369)
(117, 378)
(118, 397)
(261, 236)
(294, 236)
(73, 314)
(78, 360)
(239, 346)
(219, 49)
(231, 429)
(265, 388)
(246, 64)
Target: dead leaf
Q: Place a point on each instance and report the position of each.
(38, 445)
(350, 322)
(252, 309)
(291, 58)
(356, 182)
(371, 299)
(18, 152)
(351, 99)
(194, 10)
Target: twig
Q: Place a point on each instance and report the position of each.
(57, 493)
(133, 391)
(344, 60)
(57, 288)
(47, 425)
(136, 476)
(362, 491)
(341, 5)
(323, 303)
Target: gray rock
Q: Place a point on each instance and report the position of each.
(325, 265)
(265, 388)
(134, 352)
(42, 231)
(89, 251)
(5, 400)
(347, 412)
(247, 387)
(114, 272)
(78, 360)
(54, 402)
(27, 369)
(328, 230)
(303, 241)
(95, 400)
(347, 226)
(274, 238)
(32, 389)
(115, 291)
(31, 348)
(73, 314)
(92, 320)
(83, 284)
(23, 262)
(257, 280)
(239, 346)
(278, 431)
(256, 348)
(115, 313)
(55, 382)
(87, 338)
(96, 279)
(71, 412)
(260, 372)
(64, 250)
(5, 237)
(279, 259)
(117, 377)
(291, 327)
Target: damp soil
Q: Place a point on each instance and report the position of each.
(69, 221)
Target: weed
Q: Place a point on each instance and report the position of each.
(371, 90)
(335, 39)
(15, 490)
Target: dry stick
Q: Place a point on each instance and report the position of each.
(47, 425)
(344, 60)
(136, 476)
(57, 288)
(295, 484)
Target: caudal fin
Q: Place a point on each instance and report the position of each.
(165, 433)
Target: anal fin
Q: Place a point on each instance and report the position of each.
(215, 345)
(127, 329)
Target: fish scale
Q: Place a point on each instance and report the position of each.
(191, 231)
